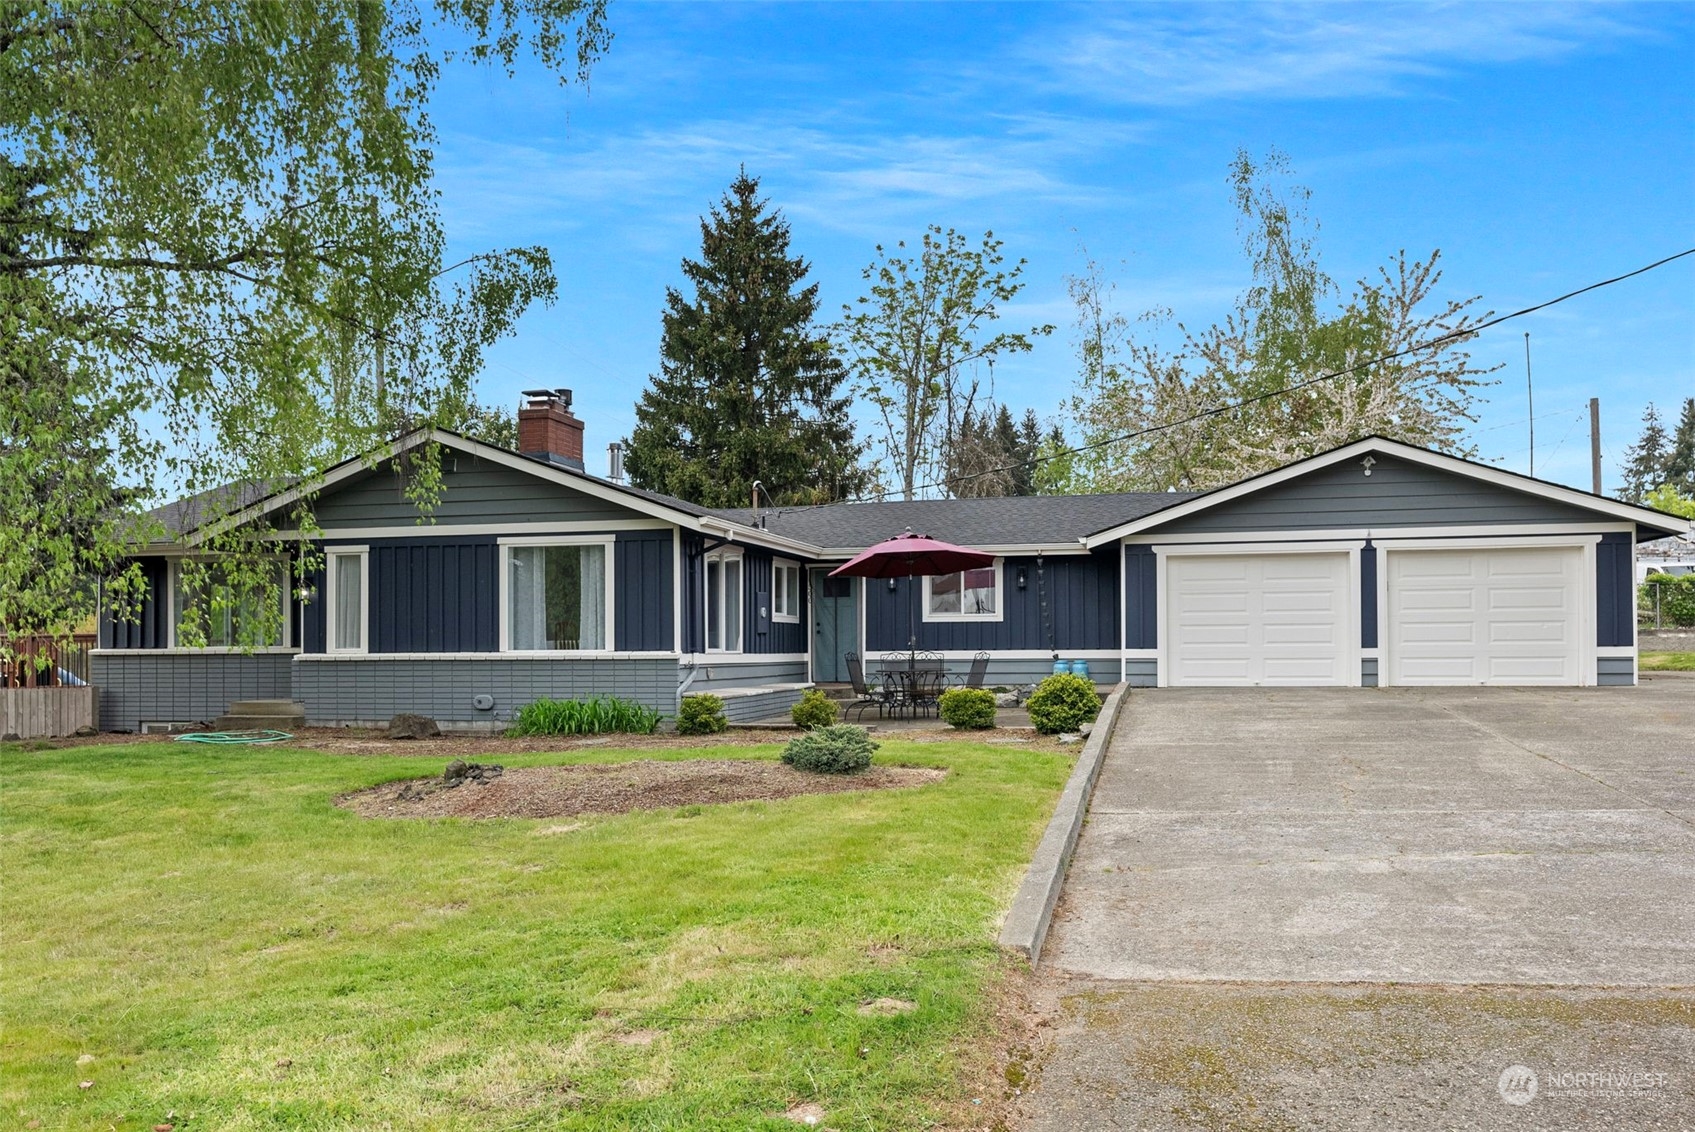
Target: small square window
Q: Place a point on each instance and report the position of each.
(785, 591)
(968, 595)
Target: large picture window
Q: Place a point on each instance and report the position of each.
(785, 591)
(348, 598)
(967, 596)
(724, 602)
(207, 599)
(556, 597)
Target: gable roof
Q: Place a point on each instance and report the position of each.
(1644, 517)
(1025, 522)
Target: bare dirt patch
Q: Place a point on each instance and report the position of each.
(617, 788)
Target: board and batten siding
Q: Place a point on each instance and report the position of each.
(1081, 593)
(183, 687)
(443, 594)
(366, 692)
(1398, 493)
(148, 630)
(1615, 592)
(766, 634)
(473, 491)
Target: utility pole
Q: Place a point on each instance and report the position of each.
(1595, 441)
(1530, 399)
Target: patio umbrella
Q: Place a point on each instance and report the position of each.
(909, 556)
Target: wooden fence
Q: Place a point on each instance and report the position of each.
(47, 713)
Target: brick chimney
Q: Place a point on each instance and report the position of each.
(547, 430)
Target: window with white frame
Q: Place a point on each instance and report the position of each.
(724, 601)
(558, 596)
(347, 597)
(227, 606)
(970, 595)
(785, 590)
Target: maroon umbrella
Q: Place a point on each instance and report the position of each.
(909, 556)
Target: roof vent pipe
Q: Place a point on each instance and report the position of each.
(615, 462)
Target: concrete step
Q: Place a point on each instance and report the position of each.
(267, 707)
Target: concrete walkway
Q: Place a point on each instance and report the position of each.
(1253, 856)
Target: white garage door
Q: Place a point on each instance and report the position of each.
(1258, 619)
(1485, 616)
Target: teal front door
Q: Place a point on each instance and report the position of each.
(835, 626)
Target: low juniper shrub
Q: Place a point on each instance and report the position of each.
(1063, 702)
(968, 708)
(815, 710)
(840, 748)
(701, 714)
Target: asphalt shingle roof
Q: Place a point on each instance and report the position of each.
(1028, 520)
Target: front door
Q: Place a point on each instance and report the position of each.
(835, 626)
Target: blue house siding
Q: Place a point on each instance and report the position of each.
(1081, 593)
(1368, 602)
(1615, 591)
(434, 595)
(473, 491)
(643, 592)
(1141, 598)
(694, 592)
(182, 687)
(766, 634)
(1398, 493)
(149, 630)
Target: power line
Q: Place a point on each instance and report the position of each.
(1219, 410)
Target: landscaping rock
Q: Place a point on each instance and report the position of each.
(459, 772)
(1087, 730)
(85, 731)
(409, 726)
(1070, 737)
(1006, 699)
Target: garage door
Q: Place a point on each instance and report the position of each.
(1258, 619)
(1485, 616)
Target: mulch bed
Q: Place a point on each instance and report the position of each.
(618, 788)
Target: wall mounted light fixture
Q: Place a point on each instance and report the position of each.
(891, 585)
(1023, 577)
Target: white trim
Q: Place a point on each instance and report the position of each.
(677, 589)
(729, 659)
(1352, 676)
(1587, 650)
(925, 615)
(503, 598)
(363, 553)
(800, 574)
(999, 550)
(538, 654)
(1614, 652)
(1627, 512)
(209, 650)
(459, 530)
(1477, 530)
(721, 555)
(1141, 654)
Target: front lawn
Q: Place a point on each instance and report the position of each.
(1667, 662)
(206, 938)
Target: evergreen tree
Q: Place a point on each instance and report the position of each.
(1645, 462)
(992, 455)
(748, 387)
(1680, 466)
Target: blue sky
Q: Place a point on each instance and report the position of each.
(1540, 147)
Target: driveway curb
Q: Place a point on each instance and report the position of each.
(1026, 924)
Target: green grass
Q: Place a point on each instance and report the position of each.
(235, 952)
(1667, 662)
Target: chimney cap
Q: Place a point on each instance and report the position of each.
(563, 396)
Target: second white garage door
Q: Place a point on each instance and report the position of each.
(1258, 619)
(1487, 616)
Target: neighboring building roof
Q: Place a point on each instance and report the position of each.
(1051, 521)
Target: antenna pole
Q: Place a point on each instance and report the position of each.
(1530, 397)
(1595, 441)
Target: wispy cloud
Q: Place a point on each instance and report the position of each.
(1305, 51)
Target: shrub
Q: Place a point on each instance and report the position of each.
(1063, 702)
(814, 710)
(968, 708)
(1677, 599)
(701, 714)
(584, 717)
(840, 748)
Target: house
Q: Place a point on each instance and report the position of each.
(1375, 564)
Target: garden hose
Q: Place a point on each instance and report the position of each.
(260, 736)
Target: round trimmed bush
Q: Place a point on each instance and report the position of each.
(840, 748)
(701, 714)
(815, 710)
(968, 708)
(1063, 702)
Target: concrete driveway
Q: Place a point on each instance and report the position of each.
(1267, 870)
